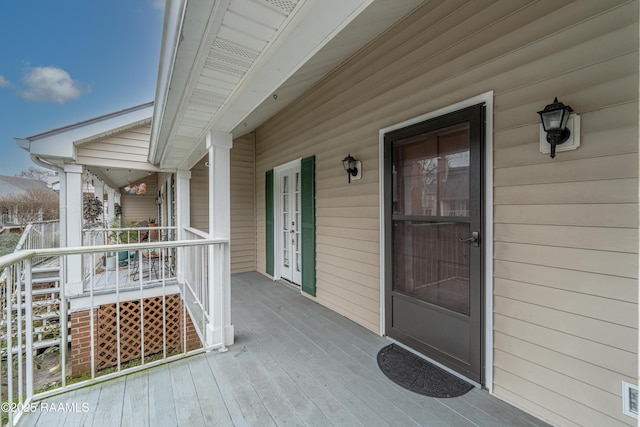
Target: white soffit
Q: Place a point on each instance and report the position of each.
(253, 49)
(366, 27)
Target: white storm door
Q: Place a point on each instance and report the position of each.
(288, 223)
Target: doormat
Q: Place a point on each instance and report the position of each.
(417, 375)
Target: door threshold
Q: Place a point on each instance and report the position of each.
(289, 284)
(438, 364)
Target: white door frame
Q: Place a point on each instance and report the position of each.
(277, 210)
(486, 99)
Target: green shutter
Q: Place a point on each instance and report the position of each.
(268, 203)
(308, 190)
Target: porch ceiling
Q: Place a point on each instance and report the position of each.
(230, 65)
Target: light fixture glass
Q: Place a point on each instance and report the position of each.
(554, 119)
(350, 165)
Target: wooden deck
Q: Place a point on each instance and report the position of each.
(294, 363)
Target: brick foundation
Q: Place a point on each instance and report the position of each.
(106, 332)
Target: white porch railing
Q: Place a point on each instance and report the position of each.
(101, 333)
(107, 268)
(9, 219)
(195, 269)
(40, 235)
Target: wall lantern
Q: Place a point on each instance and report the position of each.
(353, 167)
(555, 118)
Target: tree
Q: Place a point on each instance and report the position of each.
(37, 173)
(34, 205)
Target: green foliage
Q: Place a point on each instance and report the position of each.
(117, 235)
(8, 243)
(91, 209)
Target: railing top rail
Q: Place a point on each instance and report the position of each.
(23, 237)
(147, 227)
(49, 221)
(197, 232)
(7, 260)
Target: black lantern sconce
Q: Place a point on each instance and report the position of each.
(555, 118)
(353, 168)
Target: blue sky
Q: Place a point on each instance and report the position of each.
(64, 61)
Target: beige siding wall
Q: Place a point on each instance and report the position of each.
(199, 196)
(566, 242)
(141, 207)
(125, 150)
(243, 211)
(243, 217)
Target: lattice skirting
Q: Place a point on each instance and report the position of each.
(106, 332)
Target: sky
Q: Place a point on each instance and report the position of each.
(65, 61)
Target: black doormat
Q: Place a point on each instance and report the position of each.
(416, 374)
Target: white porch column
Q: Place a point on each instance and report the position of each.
(98, 191)
(111, 205)
(183, 215)
(63, 209)
(220, 331)
(73, 223)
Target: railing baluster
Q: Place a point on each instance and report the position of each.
(9, 347)
(19, 328)
(64, 317)
(92, 349)
(118, 337)
(28, 288)
(142, 321)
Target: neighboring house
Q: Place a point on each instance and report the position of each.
(12, 186)
(540, 307)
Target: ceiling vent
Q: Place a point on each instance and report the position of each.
(286, 5)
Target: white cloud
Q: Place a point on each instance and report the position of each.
(4, 82)
(50, 84)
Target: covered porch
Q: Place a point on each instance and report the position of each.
(294, 362)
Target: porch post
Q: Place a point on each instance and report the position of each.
(98, 191)
(63, 210)
(183, 215)
(220, 331)
(73, 225)
(111, 205)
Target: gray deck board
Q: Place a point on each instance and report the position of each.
(108, 410)
(162, 409)
(135, 406)
(294, 363)
(212, 404)
(188, 412)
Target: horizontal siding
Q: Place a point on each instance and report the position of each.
(126, 150)
(137, 208)
(243, 227)
(566, 230)
(199, 195)
(243, 217)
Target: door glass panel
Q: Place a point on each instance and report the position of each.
(431, 263)
(430, 184)
(431, 173)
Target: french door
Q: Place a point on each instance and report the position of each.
(433, 230)
(288, 222)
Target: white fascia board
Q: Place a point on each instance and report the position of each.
(171, 35)
(61, 143)
(180, 65)
(310, 29)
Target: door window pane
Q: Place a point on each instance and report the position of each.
(431, 173)
(431, 263)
